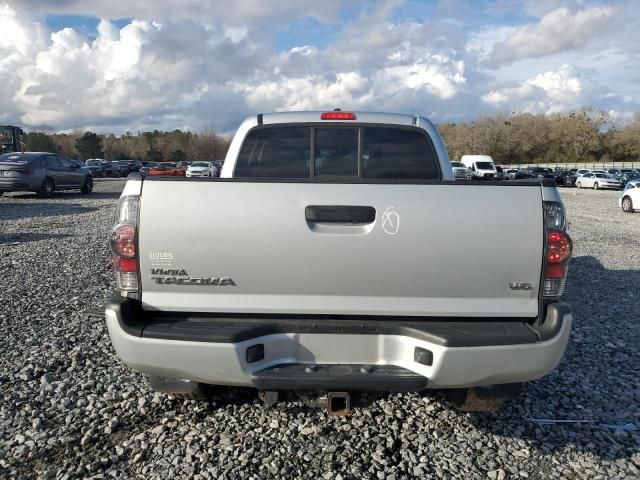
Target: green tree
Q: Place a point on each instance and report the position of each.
(89, 145)
(177, 156)
(39, 142)
(153, 155)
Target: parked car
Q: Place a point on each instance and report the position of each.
(541, 172)
(167, 169)
(460, 171)
(202, 169)
(614, 171)
(133, 165)
(626, 177)
(565, 178)
(43, 173)
(629, 199)
(96, 166)
(597, 180)
(124, 167)
(510, 174)
(114, 169)
(146, 166)
(520, 175)
(302, 291)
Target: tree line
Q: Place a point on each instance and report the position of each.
(156, 146)
(585, 136)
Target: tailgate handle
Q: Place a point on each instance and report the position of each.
(340, 214)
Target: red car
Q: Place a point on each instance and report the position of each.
(167, 168)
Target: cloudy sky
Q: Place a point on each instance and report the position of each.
(116, 65)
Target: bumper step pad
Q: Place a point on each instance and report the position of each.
(299, 376)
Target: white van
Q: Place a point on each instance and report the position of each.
(481, 166)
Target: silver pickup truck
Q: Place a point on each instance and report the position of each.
(337, 253)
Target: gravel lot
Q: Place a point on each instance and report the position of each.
(69, 408)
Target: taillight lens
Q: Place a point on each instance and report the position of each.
(557, 257)
(123, 241)
(124, 244)
(558, 247)
(558, 250)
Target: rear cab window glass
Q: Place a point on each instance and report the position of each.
(336, 152)
(278, 152)
(326, 151)
(398, 153)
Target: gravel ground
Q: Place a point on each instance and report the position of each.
(70, 409)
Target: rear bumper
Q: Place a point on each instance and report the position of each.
(375, 355)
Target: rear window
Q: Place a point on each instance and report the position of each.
(280, 152)
(336, 152)
(333, 151)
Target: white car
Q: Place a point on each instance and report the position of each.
(630, 197)
(202, 169)
(597, 180)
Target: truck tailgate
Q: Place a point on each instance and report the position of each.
(254, 247)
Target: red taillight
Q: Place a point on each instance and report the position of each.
(338, 116)
(123, 241)
(557, 256)
(554, 272)
(558, 247)
(125, 265)
(123, 244)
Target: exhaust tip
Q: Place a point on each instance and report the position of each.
(338, 404)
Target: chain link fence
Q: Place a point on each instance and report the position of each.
(566, 166)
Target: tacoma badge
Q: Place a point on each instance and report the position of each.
(179, 276)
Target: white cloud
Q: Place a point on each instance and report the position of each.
(557, 31)
(548, 92)
(308, 93)
(195, 64)
(435, 74)
(233, 12)
(561, 90)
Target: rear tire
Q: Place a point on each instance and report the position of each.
(87, 188)
(595, 186)
(48, 187)
(627, 205)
